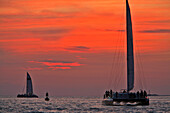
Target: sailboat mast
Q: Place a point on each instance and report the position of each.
(130, 56)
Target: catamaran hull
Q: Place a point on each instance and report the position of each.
(107, 102)
(137, 101)
(26, 96)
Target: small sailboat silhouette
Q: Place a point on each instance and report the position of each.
(29, 89)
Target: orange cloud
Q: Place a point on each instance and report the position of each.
(60, 64)
(57, 64)
(20, 40)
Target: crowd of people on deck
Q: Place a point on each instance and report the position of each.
(108, 94)
(139, 94)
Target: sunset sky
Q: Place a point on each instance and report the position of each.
(69, 46)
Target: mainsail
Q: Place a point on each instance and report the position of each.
(29, 85)
(130, 57)
(29, 89)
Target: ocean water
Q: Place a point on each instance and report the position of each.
(158, 104)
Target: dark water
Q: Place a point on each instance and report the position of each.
(158, 104)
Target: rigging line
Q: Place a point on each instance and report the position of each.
(120, 71)
(143, 74)
(142, 70)
(139, 72)
(122, 68)
(113, 63)
(122, 63)
(119, 66)
(137, 66)
(137, 79)
(140, 67)
(116, 68)
(120, 74)
(108, 76)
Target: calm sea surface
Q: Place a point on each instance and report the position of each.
(158, 104)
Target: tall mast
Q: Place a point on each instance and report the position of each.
(130, 56)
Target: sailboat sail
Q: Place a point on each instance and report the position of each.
(29, 85)
(29, 89)
(130, 57)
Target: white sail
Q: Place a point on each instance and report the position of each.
(29, 85)
(130, 57)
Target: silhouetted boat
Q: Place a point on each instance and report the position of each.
(29, 89)
(140, 98)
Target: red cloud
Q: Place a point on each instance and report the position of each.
(58, 65)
